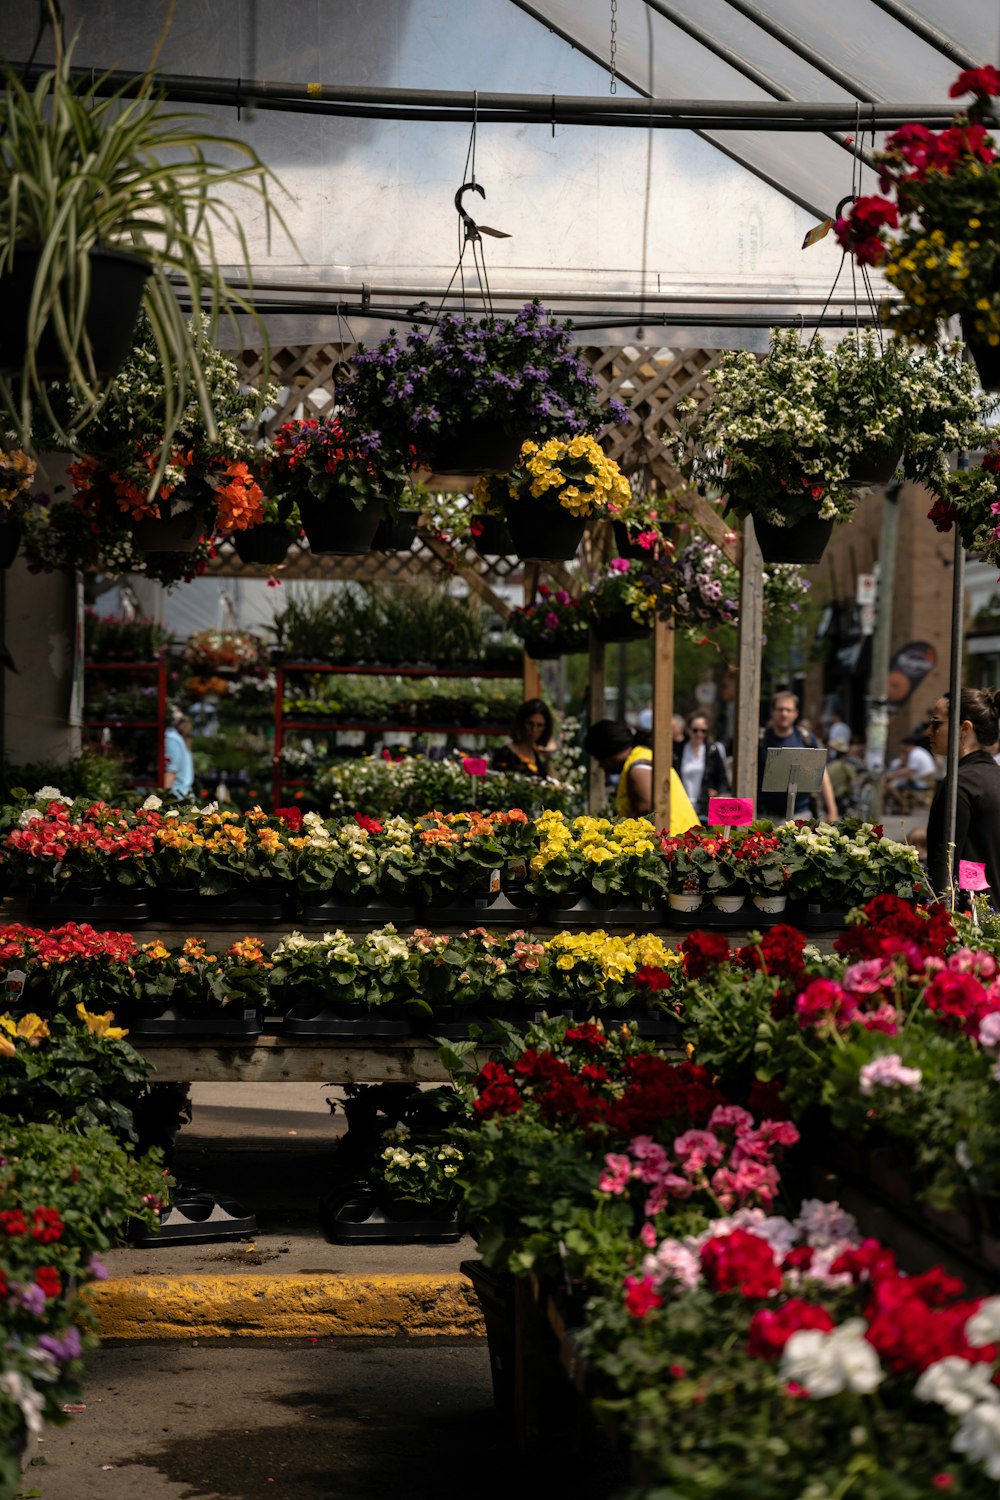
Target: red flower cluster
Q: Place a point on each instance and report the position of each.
(779, 952)
(586, 1033)
(960, 997)
(913, 1321)
(13, 1222)
(641, 1296)
(498, 1093)
(47, 1277)
(370, 825)
(647, 977)
(740, 1262)
(580, 1094)
(703, 952)
(53, 834)
(771, 1328)
(825, 1000)
(290, 816)
(46, 1225)
(893, 926)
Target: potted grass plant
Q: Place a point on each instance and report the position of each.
(108, 204)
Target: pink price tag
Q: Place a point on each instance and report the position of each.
(474, 765)
(733, 812)
(972, 876)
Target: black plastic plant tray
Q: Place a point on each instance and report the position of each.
(307, 1019)
(232, 1020)
(196, 1219)
(354, 1218)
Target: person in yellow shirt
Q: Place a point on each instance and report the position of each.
(615, 747)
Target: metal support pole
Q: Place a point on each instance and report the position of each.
(954, 701)
(746, 745)
(596, 793)
(664, 642)
(878, 701)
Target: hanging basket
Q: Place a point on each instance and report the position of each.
(398, 535)
(179, 533)
(479, 447)
(875, 466)
(631, 549)
(620, 627)
(267, 543)
(117, 281)
(802, 542)
(339, 527)
(10, 539)
(494, 539)
(544, 531)
(985, 357)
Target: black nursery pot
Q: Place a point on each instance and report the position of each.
(548, 532)
(267, 543)
(333, 527)
(803, 542)
(117, 282)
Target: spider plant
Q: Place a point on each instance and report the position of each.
(81, 173)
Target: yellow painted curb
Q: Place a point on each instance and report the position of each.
(191, 1307)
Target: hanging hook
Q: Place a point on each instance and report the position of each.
(471, 228)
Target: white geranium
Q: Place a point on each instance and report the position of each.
(978, 1437)
(957, 1385)
(827, 1363)
(822, 1224)
(984, 1325)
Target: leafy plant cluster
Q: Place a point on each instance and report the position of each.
(383, 625)
(111, 638)
(402, 701)
(412, 784)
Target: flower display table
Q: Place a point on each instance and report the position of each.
(284, 1059)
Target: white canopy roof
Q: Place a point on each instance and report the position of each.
(651, 226)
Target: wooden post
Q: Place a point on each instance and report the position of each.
(596, 794)
(746, 746)
(663, 713)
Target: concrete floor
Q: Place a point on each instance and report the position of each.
(390, 1420)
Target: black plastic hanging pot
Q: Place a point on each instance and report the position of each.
(339, 526)
(266, 543)
(398, 535)
(619, 627)
(985, 356)
(802, 542)
(10, 539)
(876, 465)
(493, 538)
(544, 530)
(176, 533)
(632, 549)
(478, 447)
(117, 281)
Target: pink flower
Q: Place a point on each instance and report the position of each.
(696, 1148)
(888, 1072)
(989, 1031)
(641, 1296)
(824, 999)
(618, 1171)
(620, 565)
(884, 1018)
(732, 1115)
(868, 977)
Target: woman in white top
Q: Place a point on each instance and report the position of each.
(701, 765)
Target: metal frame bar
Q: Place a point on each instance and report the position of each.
(802, 50)
(926, 32)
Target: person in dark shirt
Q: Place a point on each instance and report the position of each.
(782, 734)
(530, 741)
(977, 822)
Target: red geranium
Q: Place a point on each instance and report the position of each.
(703, 952)
(770, 1329)
(47, 1277)
(740, 1262)
(641, 1296)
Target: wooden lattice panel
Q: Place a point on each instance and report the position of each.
(651, 381)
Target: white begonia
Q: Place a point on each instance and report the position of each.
(978, 1437)
(957, 1385)
(52, 794)
(28, 816)
(827, 1363)
(152, 803)
(984, 1325)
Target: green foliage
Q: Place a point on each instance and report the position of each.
(78, 1076)
(79, 171)
(381, 624)
(413, 785)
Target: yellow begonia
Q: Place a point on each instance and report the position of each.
(7, 1048)
(32, 1029)
(100, 1025)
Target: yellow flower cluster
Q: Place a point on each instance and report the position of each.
(27, 1028)
(614, 958)
(594, 840)
(933, 273)
(100, 1025)
(575, 471)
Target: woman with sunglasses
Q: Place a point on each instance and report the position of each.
(977, 822)
(701, 765)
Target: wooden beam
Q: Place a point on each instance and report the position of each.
(707, 517)
(596, 794)
(664, 643)
(472, 576)
(746, 745)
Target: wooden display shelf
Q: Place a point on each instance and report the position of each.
(287, 1059)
